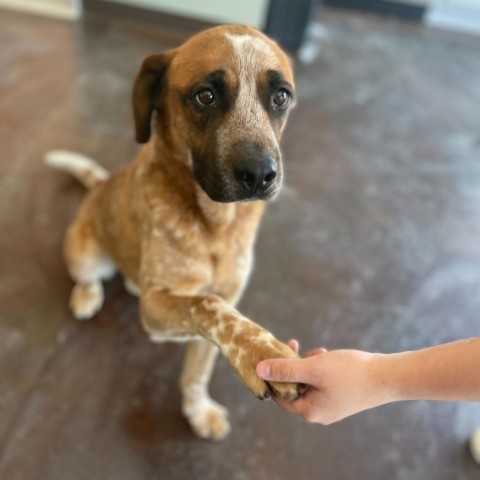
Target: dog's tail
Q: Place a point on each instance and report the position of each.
(84, 169)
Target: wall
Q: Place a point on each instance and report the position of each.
(251, 12)
(66, 9)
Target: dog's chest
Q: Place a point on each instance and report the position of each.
(186, 255)
(231, 266)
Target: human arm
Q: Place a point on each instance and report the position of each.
(345, 382)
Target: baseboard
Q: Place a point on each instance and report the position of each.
(45, 9)
(454, 17)
(408, 11)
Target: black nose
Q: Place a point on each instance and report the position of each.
(256, 175)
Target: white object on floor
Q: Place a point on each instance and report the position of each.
(475, 446)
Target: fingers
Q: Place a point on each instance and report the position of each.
(301, 407)
(291, 407)
(312, 353)
(294, 345)
(285, 370)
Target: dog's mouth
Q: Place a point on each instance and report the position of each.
(238, 195)
(269, 194)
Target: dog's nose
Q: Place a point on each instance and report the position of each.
(256, 175)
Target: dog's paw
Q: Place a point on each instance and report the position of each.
(253, 346)
(267, 390)
(86, 300)
(287, 391)
(208, 419)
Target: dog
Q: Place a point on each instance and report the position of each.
(180, 221)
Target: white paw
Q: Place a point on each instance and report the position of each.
(208, 419)
(86, 300)
(475, 446)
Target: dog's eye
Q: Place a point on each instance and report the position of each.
(205, 97)
(281, 98)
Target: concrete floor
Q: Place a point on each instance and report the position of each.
(374, 245)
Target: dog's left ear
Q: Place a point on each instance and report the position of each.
(148, 91)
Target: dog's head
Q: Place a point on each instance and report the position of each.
(221, 102)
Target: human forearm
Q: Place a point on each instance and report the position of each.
(344, 382)
(445, 372)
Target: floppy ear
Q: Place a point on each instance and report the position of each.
(147, 92)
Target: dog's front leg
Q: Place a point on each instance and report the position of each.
(241, 341)
(207, 417)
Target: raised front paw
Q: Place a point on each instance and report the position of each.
(249, 348)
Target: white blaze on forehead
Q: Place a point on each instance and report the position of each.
(253, 55)
(251, 49)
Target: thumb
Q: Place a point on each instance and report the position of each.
(284, 370)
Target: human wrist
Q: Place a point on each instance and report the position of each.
(387, 383)
(401, 374)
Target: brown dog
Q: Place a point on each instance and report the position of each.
(180, 221)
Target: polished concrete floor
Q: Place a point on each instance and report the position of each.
(374, 245)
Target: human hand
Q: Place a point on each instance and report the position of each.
(341, 383)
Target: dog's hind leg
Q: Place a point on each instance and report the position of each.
(207, 418)
(88, 264)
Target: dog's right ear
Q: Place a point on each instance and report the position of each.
(148, 91)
